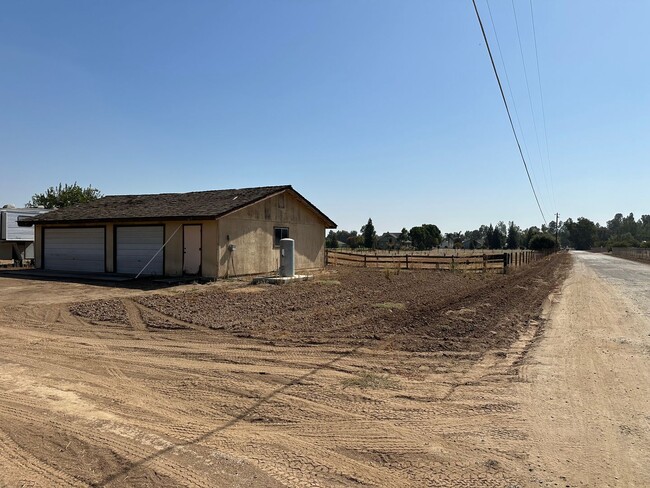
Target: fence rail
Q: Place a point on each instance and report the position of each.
(642, 253)
(486, 262)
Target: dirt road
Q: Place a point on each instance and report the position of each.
(586, 394)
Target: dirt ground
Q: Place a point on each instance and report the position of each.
(358, 378)
(585, 388)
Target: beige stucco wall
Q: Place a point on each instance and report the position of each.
(174, 248)
(251, 230)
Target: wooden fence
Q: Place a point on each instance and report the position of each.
(641, 253)
(487, 262)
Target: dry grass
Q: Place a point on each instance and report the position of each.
(328, 282)
(371, 380)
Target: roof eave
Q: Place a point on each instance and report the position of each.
(329, 223)
(121, 219)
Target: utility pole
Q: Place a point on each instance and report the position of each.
(557, 222)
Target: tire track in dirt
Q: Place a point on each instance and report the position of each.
(131, 445)
(133, 315)
(20, 464)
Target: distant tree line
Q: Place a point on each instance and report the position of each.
(425, 236)
(619, 232)
(579, 234)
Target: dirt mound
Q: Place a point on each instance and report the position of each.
(409, 310)
(488, 317)
(111, 310)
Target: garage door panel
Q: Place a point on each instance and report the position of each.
(135, 246)
(74, 249)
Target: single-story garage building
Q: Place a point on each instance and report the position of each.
(212, 234)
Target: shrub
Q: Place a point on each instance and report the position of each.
(540, 242)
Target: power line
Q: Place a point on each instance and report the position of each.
(505, 103)
(541, 96)
(505, 71)
(530, 98)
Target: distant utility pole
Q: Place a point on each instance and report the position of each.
(557, 222)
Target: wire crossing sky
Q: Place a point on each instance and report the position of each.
(505, 103)
(370, 109)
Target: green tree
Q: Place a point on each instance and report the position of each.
(354, 240)
(498, 239)
(488, 236)
(629, 225)
(602, 235)
(512, 241)
(540, 242)
(425, 236)
(495, 237)
(582, 233)
(404, 238)
(64, 196)
(475, 237)
(624, 240)
(369, 235)
(615, 226)
(528, 235)
(417, 237)
(643, 224)
(342, 235)
(331, 242)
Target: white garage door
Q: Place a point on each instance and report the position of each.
(74, 249)
(136, 245)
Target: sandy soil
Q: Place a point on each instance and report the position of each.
(355, 379)
(587, 382)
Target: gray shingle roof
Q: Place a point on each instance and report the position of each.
(167, 206)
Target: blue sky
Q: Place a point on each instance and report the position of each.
(372, 109)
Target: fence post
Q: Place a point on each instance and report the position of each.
(484, 263)
(505, 262)
(407, 261)
(365, 260)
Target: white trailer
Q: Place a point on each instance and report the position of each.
(16, 242)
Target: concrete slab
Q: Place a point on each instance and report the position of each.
(177, 280)
(51, 274)
(281, 280)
